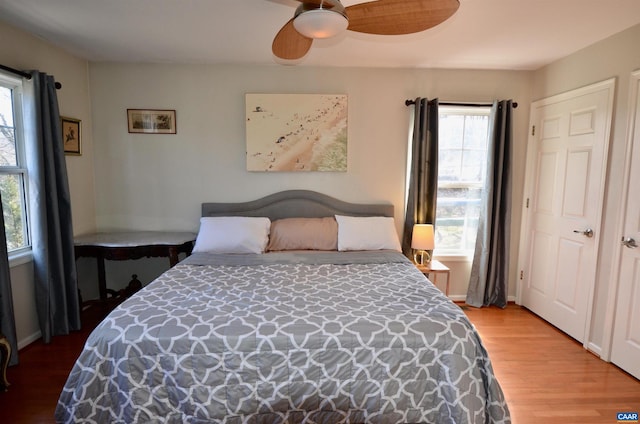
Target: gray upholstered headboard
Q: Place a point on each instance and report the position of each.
(296, 203)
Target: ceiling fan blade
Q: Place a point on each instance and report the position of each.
(289, 44)
(396, 17)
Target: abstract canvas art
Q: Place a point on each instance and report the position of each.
(296, 132)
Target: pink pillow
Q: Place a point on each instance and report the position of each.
(303, 234)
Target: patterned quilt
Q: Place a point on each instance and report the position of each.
(285, 338)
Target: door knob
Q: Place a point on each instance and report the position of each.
(588, 232)
(629, 242)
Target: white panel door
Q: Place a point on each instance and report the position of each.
(625, 349)
(567, 159)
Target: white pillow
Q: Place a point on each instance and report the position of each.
(232, 234)
(367, 233)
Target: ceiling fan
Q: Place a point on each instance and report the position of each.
(327, 18)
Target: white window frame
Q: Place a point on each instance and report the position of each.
(23, 254)
(466, 254)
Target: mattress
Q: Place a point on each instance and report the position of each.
(314, 337)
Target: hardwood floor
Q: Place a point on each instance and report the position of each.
(37, 380)
(546, 376)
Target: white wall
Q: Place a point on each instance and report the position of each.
(205, 160)
(159, 181)
(616, 57)
(25, 52)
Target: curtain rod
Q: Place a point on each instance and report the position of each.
(24, 74)
(411, 102)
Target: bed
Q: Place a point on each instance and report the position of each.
(314, 327)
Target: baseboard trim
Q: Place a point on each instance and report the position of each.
(29, 339)
(595, 349)
(463, 297)
(458, 297)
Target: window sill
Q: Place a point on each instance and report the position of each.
(454, 258)
(20, 258)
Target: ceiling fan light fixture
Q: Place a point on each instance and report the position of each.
(320, 23)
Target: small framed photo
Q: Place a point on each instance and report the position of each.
(151, 121)
(71, 136)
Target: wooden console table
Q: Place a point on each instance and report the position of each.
(5, 355)
(119, 246)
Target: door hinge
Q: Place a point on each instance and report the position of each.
(521, 274)
(533, 130)
(527, 203)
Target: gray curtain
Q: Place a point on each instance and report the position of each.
(7, 322)
(56, 290)
(422, 188)
(490, 268)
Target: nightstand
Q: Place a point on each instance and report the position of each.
(436, 267)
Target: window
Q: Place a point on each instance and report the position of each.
(13, 172)
(462, 163)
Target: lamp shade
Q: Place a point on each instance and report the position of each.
(422, 237)
(320, 23)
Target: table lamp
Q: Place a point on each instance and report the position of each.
(421, 242)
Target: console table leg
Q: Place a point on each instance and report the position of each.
(102, 279)
(5, 354)
(173, 256)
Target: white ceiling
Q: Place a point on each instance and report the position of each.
(483, 34)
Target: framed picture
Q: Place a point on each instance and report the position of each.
(296, 132)
(71, 135)
(151, 121)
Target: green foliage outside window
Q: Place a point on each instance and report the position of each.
(11, 176)
(12, 211)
